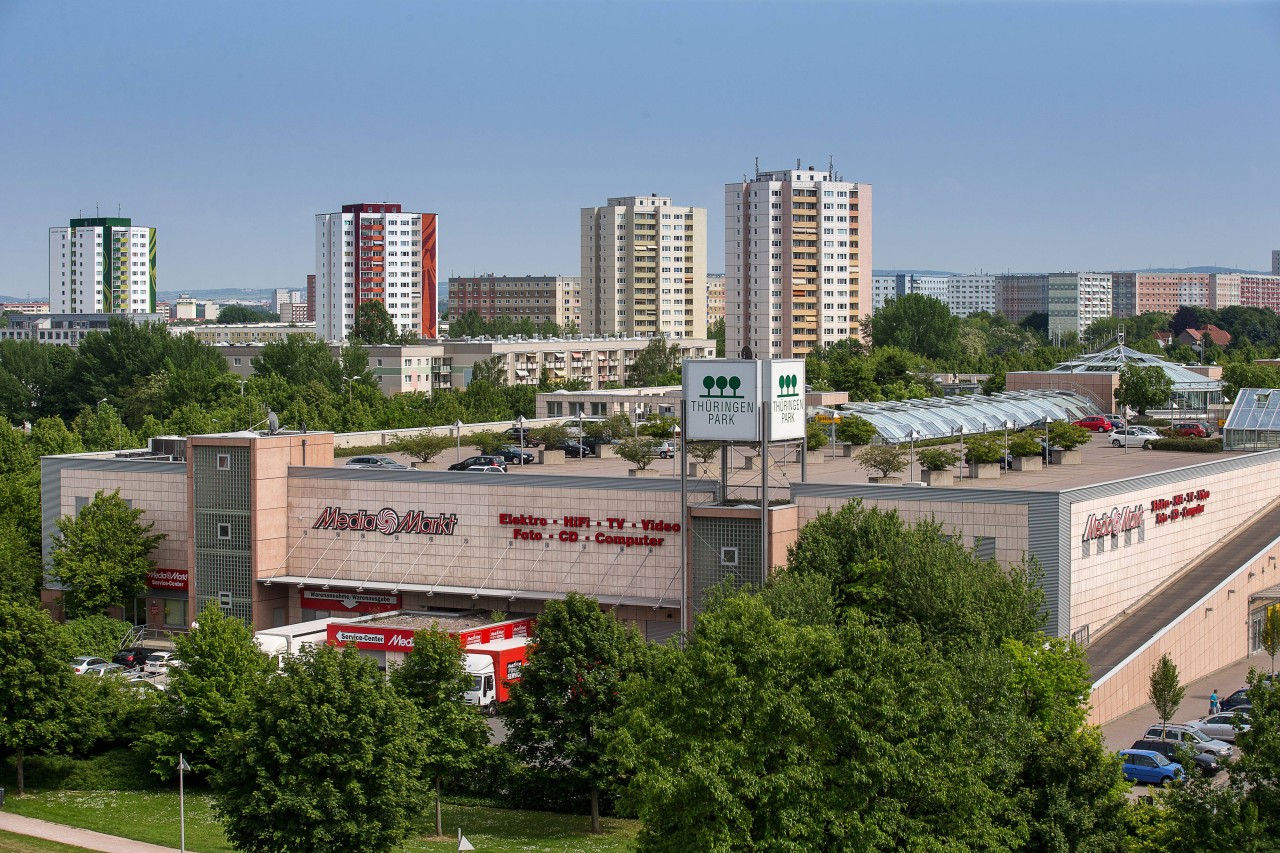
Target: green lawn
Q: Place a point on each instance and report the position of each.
(13, 843)
(153, 817)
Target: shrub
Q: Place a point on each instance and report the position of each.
(488, 442)
(1025, 444)
(888, 459)
(855, 430)
(815, 436)
(423, 447)
(1188, 445)
(638, 451)
(1147, 420)
(551, 435)
(983, 449)
(1067, 435)
(938, 458)
(363, 450)
(704, 451)
(95, 635)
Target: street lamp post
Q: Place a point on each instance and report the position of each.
(350, 381)
(960, 462)
(457, 425)
(520, 426)
(1008, 425)
(1048, 453)
(183, 767)
(581, 436)
(911, 460)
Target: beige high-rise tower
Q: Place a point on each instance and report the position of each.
(644, 268)
(797, 253)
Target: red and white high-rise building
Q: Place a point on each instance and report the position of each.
(375, 252)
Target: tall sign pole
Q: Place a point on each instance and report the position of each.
(686, 539)
(764, 493)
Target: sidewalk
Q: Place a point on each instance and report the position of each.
(76, 837)
(1121, 732)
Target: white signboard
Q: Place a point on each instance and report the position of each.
(722, 400)
(784, 390)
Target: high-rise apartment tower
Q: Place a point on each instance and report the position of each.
(644, 268)
(797, 261)
(375, 252)
(102, 265)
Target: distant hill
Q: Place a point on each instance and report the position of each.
(20, 299)
(913, 272)
(223, 294)
(1204, 270)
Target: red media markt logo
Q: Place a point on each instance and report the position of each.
(386, 521)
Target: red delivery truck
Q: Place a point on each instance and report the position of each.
(508, 657)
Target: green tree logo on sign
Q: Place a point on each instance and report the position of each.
(718, 384)
(788, 386)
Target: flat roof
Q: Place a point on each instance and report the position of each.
(452, 623)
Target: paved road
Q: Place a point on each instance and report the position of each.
(76, 837)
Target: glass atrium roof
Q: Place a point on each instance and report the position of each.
(1254, 422)
(1112, 360)
(942, 417)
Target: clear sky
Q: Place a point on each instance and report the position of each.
(998, 136)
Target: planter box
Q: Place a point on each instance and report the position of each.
(550, 457)
(643, 472)
(815, 457)
(884, 481)
(607, 451)
(847, 450)
(1028, 463)
(939, 478)
(984, 470)
(1065, 457)
(748, 463)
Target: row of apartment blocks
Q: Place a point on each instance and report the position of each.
(595, 361)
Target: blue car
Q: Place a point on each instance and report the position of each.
(1144, 765)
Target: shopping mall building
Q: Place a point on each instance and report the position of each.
(1142, 552)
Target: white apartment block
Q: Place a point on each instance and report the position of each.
(375, 252)
(102, 265)
(971, 294)
(1077, 299)
(797, 261)
(644, 268)
(962, 294)
(715, 296)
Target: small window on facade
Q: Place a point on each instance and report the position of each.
(224, 531)
(224, 461)
(728, 556)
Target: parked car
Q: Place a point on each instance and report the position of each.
(514, 433)
(666, 449)
(487, 469)
(1221, 726)
(572, 449)
(1149, 766)
(1194, 738)
(1117, 422)
(159, 662)
(1138, 436)
(472, 461)
(1208, 764)
(375, 462)
(131, 658)
(1235, 700)
(83, 662)
(1097, 423)
(515, 456)
(1189, 429)
(101, 670)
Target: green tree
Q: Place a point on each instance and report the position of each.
(326, 756)
(1257, 770)
(246, 314)
(35, 682)
(1143, 388)
(715, 331)
(100, 428)
(424, 446)
(373, 325)
(887, 459)
(551, 434)
(1270, 635)
(815, 435)
(916, 323)
(102, 555)
(492, 370)
(640, 452)
(1067, 435)
(656, 364)
(560, 712)
(50, 437)
(1165, 692)
(298, 360)
(94, 635)
(852, 429)
(222, 670)
(488, 441)
(21, 572)
(433, 677)
(661, 427)
(764, 734)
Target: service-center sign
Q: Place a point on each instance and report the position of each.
(723, 400)
(784, 389)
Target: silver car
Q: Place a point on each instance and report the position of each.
(385, 462)
(1138, 436)
(1193, 738)
(1220, 726)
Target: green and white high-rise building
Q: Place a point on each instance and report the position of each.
(102, 265)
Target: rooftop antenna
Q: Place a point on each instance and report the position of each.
(95, 209)
(757, 167)
(797, 164)
(831, 167)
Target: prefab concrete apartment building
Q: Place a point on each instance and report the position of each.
(797, 261)
(102, 265)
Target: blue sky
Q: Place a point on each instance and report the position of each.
(1018, 136)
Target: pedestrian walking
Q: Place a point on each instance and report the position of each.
(1213, 702)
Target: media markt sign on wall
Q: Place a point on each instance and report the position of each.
(723, 400)
(784, 390)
